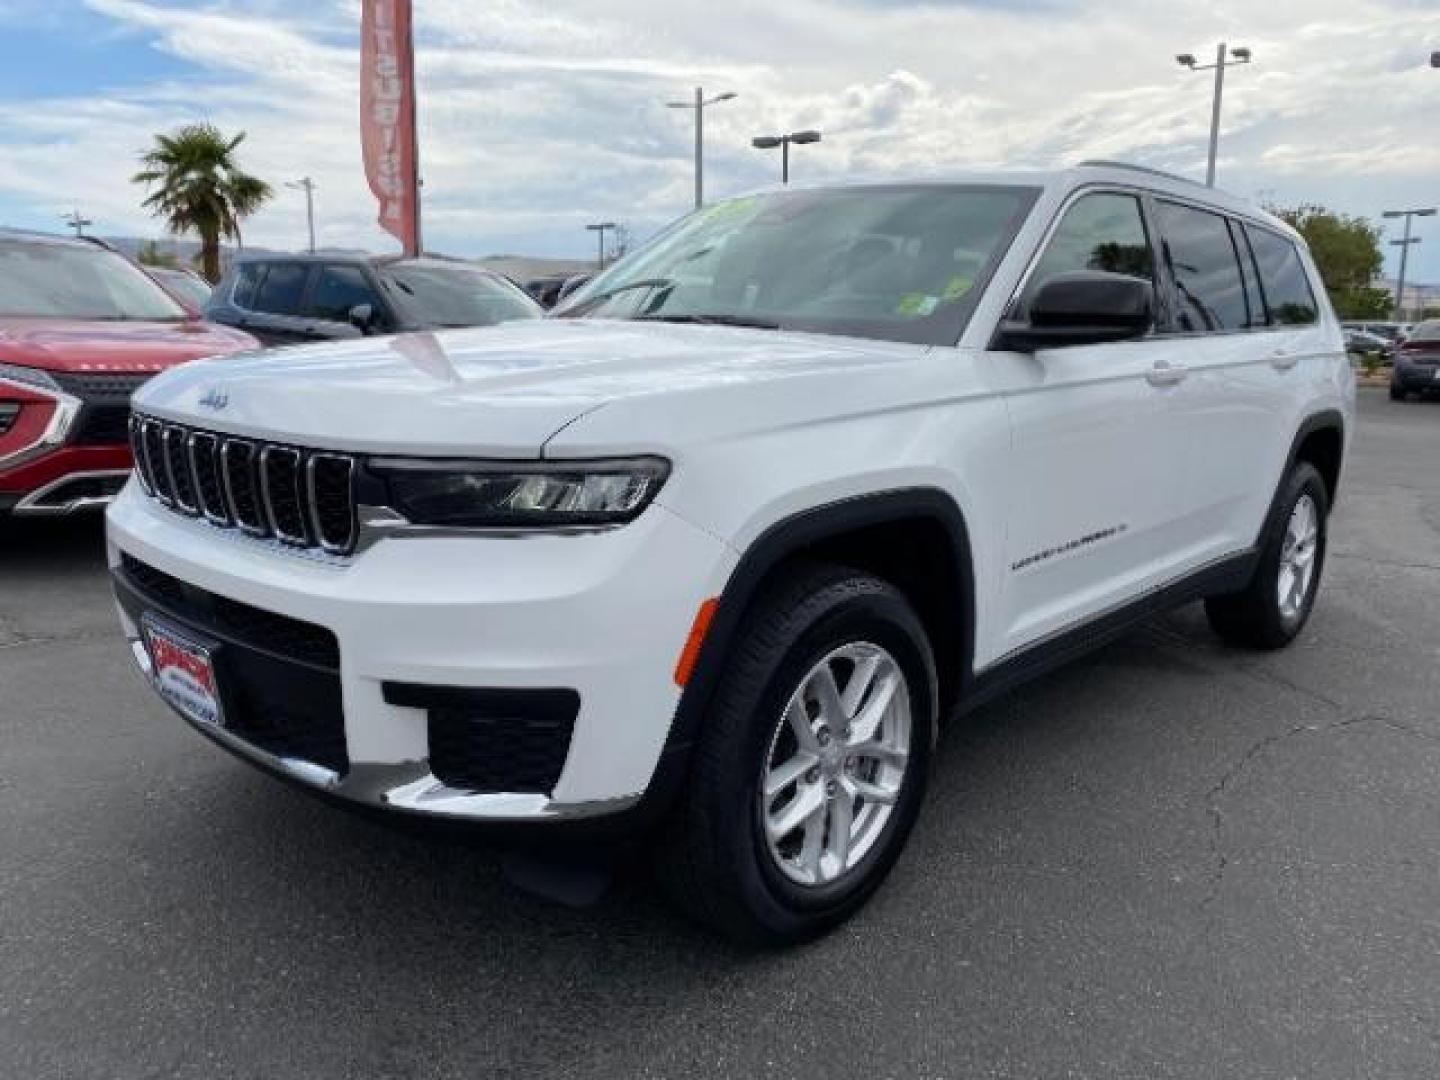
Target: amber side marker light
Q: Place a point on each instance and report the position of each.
(688, 655)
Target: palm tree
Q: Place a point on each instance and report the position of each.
(196, 186)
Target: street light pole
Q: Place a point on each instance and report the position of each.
(307, 185)
(76, 221)
(599, 230)
(1404, 246)
(770, 142)
(1215, 115)
(1239, 55)
(699, 105)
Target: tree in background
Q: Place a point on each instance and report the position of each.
(196, 185)
(1347, 251)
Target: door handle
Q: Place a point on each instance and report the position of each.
(1166, 374)
(1283, 360)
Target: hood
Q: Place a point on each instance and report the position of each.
(112, 346)
(499, 391)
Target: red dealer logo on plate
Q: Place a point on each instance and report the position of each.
(183, 674)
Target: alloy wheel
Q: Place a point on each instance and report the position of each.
(836, 764)
(1298, 550)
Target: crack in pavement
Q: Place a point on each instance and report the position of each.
(1261, 673)
(23, 641)
(1222, 786)
(1392, 563)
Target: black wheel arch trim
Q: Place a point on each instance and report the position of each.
(1324, 420)
(793, 534)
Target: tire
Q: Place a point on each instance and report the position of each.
(1260, 616)
(1397, 394)
(718, 861)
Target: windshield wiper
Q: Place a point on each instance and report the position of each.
(711, 320)
(600, 298)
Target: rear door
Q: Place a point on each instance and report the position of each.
(1094, 456)
(1225, 410)
(1248, 326)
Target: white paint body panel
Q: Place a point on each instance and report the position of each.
(1035, 450)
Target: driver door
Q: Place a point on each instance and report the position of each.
(1095, 455)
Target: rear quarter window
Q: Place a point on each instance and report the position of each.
(1288, 296)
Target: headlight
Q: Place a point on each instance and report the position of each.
(504, 495)
(28, 376)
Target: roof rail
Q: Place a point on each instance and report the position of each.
(1100, 163)
(15, 232)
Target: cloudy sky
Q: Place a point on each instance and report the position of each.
(540, 115)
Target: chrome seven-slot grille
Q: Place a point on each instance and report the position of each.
(302, 498)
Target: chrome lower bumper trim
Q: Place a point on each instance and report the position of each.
(405, 787)
(43, 502)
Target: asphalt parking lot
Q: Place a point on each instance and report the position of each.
(1171, 859)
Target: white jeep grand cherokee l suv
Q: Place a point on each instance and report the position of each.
(710, 554)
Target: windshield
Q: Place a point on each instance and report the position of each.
(186, 286)
(900, 263)
(61, 281)
(1426, 331)
(439, 296)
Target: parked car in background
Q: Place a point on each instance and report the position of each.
(81, 328)
(1364, 343)
(1417, 362)
(1390, 331)
(706, 556)
(186, 285)
(284, 299)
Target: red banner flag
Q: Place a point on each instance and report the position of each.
(387, 117)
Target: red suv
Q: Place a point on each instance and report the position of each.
(80, 329)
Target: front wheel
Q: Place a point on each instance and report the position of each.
(1271, 611)
(1396, 393)
(812, 762)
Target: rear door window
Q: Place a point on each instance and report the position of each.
(1288, 295)
(280, 291)
(338, 289)
(1205, 268)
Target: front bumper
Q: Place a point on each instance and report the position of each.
(603, 614)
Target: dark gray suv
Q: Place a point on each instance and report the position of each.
(282, 299)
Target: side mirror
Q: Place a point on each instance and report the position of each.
(362, 317)
(1085, 307)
